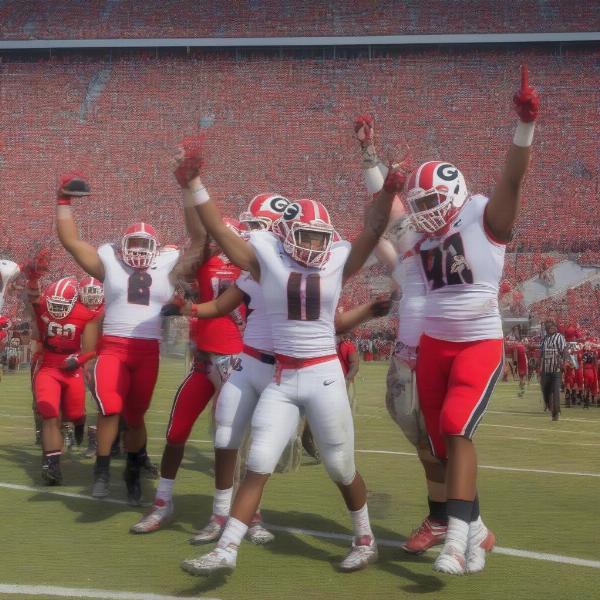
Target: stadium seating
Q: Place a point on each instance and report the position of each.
(68, 19)
(282, 123)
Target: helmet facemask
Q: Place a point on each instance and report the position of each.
(138, 250)
(60, 307)
(308, 244)
(91, 295)
(253, 223)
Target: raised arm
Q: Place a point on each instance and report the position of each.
(222, 305)
(376, 219)
(503, 207)
(188, 162)
(86, 256)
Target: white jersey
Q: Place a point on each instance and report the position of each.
(133, 298)
(8, 271)
(300, 301)
(258, 324)
(463, 269)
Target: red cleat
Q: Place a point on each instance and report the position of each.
(429, 533)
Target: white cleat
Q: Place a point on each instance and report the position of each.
(220, 560)
(450, 561)
(258, 535)
(362, 553)
(211, 532)
(160, 514)
(479, 544)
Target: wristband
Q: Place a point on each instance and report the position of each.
(524, 134)
(63, 211)
(199, 196)
(374, 178)
(63, 201)
(194, 312)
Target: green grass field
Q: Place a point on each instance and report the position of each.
(57, 540)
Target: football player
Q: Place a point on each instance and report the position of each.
(300, 271)
(589, 360)
(460, 352)
(9, 271)
(138, 280)
(69, 333)
(399, 252)
(216, 343)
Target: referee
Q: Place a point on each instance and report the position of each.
(553, 357)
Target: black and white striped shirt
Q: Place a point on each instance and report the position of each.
(553, 351)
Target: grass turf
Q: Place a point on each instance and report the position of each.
(72, 542)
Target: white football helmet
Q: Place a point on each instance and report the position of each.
(139, 246)
(435, 194)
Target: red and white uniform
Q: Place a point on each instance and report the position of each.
(8, 271)
(128, 356)
(460, 355)
(590, 373)
(252, 373)
(521, 359)
(55, 389)
(216, 341)
(301, 303)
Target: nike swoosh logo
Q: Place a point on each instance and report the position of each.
(328, 381)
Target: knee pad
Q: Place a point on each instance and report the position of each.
(223, 438)
(339, 464)
(47, 410)
(450, 424)
(402, 402)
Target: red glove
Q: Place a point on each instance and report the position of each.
(363, 130)
(71, 185)
(36, 267)
(527, 101)
(190, 159)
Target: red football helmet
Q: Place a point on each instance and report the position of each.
(61, 297)
(435, 193)
(91, 292)
(306, 232)
(139, 246)
(263, 211)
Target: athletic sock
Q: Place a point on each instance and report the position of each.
(233, 534)
(164, 491)
(459, 517)
(52, 457)
(222, 502)
(360, 522)
(438, 511)
(102, 463)
(79, 431)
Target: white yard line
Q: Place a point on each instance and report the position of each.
(494, 467)
(68, 592)
(557, 430)
(570, 560)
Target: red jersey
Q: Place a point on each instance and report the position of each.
(61, 337)
(344, 350)
(220, 335)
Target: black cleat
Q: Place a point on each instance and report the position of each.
(101, 486)
(134, 486)
(149, 468)
(51, 473)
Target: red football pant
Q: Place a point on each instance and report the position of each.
(455, 381)
(570, 378)
(590, 380)
(59, 391)
(124, 377)
(191, 399)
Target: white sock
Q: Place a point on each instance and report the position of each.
(222, 502)
(476, 528)
(232, 535)
(164, 491)
(360, 522)
(457, 534)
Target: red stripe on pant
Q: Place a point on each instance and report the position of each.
(191, 399)
(455, 381)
